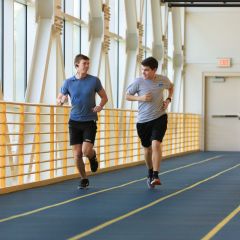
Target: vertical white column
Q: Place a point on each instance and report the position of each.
(131, 48)
(177, 58)
(157, 46)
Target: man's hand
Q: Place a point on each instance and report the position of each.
(97, 108)
(165, 104)
(146, 98)
(62, 99)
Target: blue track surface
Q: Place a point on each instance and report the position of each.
(183, 214)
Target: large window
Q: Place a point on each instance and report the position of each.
(147, 30)
(20, 51)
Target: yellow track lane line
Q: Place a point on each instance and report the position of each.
(137, 210)
(219, 226)
(98, 192)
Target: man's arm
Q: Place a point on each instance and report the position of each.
(169, 98)
(102, 94)
(170, 92)
(144, 98)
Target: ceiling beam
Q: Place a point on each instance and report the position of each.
(201, 5)
(199, 1)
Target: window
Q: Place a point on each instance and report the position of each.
(84, 31)
(77, 9)
(76, 40)
(20, 50)
(147, 32)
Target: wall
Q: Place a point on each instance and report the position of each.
(210, 34)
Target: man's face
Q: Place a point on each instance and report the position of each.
(148, 73)
(83, 66)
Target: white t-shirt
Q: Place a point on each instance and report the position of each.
(148, 111)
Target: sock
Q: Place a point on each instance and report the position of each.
(155, 174)
(150, 173)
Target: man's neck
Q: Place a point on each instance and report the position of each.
(80, 75)
(153, 78)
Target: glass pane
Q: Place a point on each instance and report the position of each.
(170, 36)
(113, 4)
(19, 50)
(122, 19)
(76, 8)
(121, 71)
(114, 70)
(76, 41)
(84, 41)
(84, 10)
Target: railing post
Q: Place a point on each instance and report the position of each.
(107, 136)
(124, 134)
(116, 137)
(2, 145)
(98, 136)
(131, 129)
(65, 138)
(37, 144)
(21, 146)
(51, 142)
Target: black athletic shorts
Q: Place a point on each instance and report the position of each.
(80, 132)
(152, 130)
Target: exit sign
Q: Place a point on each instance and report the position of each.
(224, 62)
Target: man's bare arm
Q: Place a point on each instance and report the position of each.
(102, 94)
(144, 98)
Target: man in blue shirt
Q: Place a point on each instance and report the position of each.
(82, 88)
(152, 117)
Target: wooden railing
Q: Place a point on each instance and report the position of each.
(34, 142)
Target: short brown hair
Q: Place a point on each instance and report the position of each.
(80, 57)
(150, 62)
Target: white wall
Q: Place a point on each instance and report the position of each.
(210, 34)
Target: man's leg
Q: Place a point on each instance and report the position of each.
(88, 150)
(148, 157)
(149, 164)
(156, 160)
(156, 155)
(77, 153)
(90, 153)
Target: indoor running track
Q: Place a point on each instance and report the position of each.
(199, 199)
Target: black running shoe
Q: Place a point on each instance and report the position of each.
(84, 183)
(93, 163)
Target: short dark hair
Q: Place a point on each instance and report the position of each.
(150, 62)
(80, 57)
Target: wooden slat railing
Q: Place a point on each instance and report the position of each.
(34, 142)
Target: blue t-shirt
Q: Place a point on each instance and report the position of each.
(82, 93)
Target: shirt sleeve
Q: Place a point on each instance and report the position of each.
(133, 88)
(99, 86)
(64, 88)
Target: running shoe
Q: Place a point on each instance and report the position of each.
(156, 181)
(93, 162)
(84, 183)
(150, 185)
